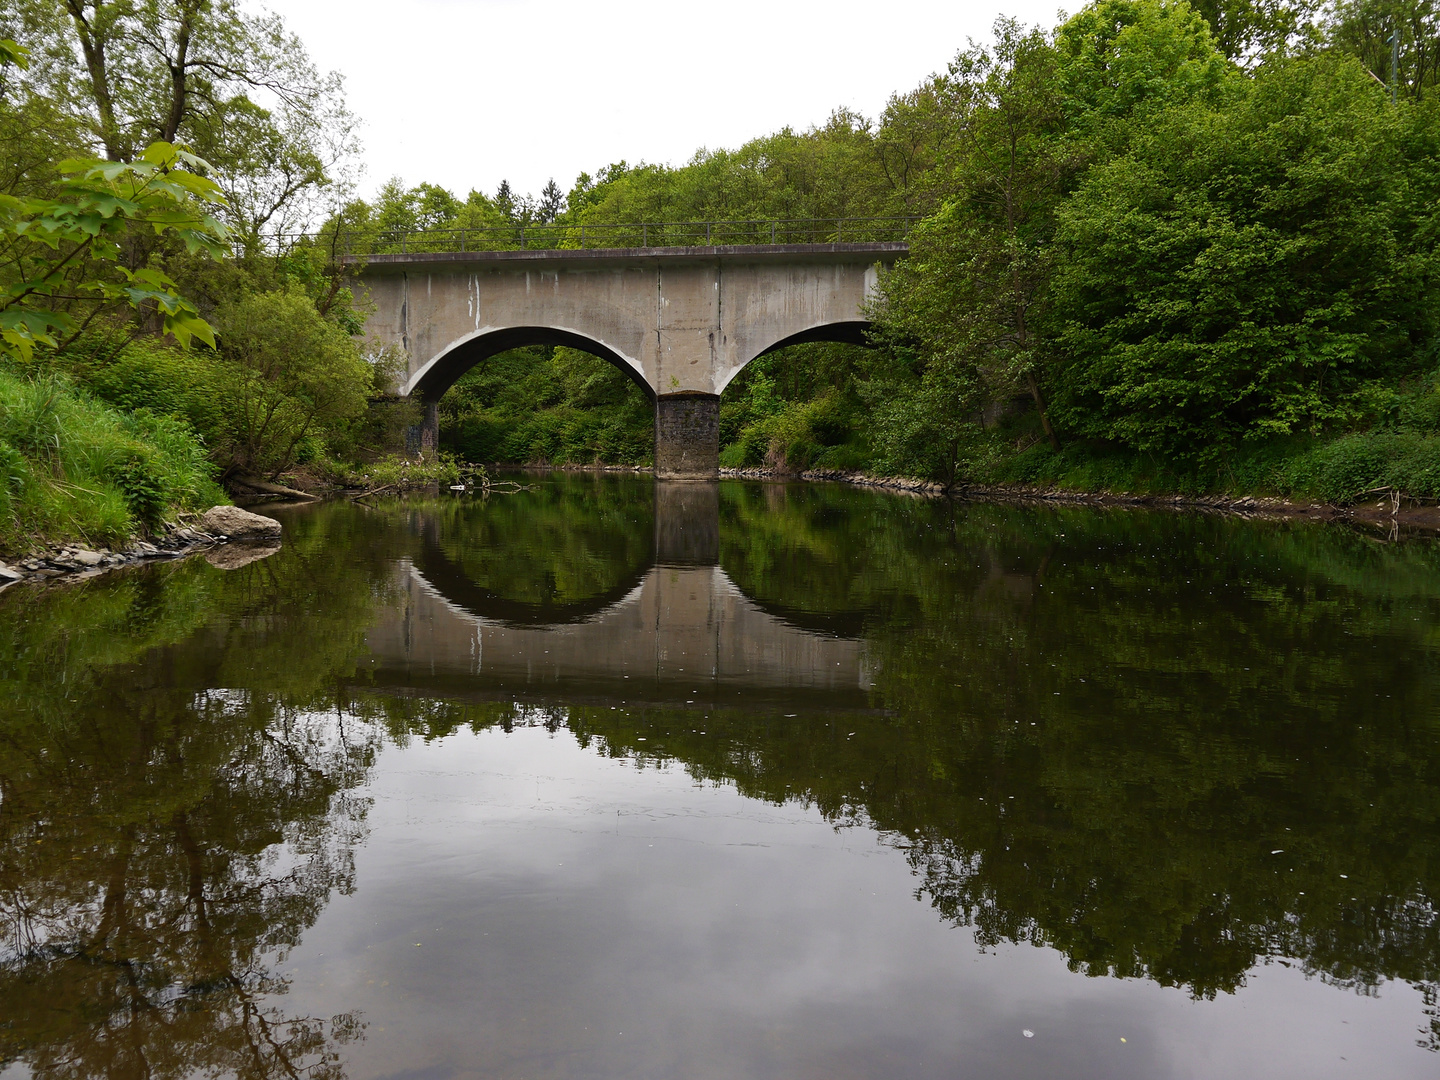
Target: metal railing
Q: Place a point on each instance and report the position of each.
(661, 234)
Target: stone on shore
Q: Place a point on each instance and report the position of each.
(238, 524)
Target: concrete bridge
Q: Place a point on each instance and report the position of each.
(681, 322)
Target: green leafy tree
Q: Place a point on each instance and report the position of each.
(1123, 60)
(291, 377)
(967, 299)
(1365, 28)
(1246, 272)
(237, 88)
(63, 259)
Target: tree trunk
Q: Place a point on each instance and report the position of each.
(93, 39)
(1039, 397)
(179, 71)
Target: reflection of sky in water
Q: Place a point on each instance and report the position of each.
(1094, 728)
(577, 916)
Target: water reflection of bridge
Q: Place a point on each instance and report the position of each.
(679, 632)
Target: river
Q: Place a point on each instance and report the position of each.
(748, 780)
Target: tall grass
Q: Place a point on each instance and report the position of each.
(72, 468)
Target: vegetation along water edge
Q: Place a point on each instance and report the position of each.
(1161, 250)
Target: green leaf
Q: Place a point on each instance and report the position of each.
(11, 53)
(185, 326)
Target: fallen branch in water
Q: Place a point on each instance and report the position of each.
(265, 487)
(373, 491)
(505, 487)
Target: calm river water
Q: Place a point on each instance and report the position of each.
(756, 781)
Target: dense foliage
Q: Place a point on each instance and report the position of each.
(1161, 246)
(152, 155)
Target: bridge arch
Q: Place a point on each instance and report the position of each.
(844, 331)
(436, 375)
(680, 322)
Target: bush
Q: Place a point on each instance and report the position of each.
(1342, 470)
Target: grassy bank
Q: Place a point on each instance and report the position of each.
(73, 467)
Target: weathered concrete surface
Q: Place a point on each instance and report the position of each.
(684, 634)
(679, 321)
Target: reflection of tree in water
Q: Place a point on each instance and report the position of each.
(1090, 732)
(1093, 730)
(154, 871)
(163, 845)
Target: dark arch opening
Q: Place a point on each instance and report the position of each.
(815, 371)
(844, 333)
(450, 366)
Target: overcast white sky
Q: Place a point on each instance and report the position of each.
(466, 94)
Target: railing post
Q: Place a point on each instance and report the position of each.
(707, 234)
(644, 234)
(772, 232)
(582, 237)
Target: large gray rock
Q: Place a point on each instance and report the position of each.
(238, 524)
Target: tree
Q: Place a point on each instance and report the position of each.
(1364, 29)
(552, 203)
(238, 89)
(64, 260)
(291, 376)
(1249, 29)
(969, 297)
(1248, 272)
(1122, 59)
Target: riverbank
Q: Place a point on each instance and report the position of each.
(1384, 507)
(231, 536)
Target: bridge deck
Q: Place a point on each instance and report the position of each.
(578, 258)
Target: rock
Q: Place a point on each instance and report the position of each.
(87, 558)
(8, 574)
(239, 524)
(234, 556)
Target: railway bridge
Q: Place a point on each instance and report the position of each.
(681, 319)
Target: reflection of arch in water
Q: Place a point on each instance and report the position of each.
(686, 534)
(450, 581)
(681, 630)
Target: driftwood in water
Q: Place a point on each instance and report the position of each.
(265, 487)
